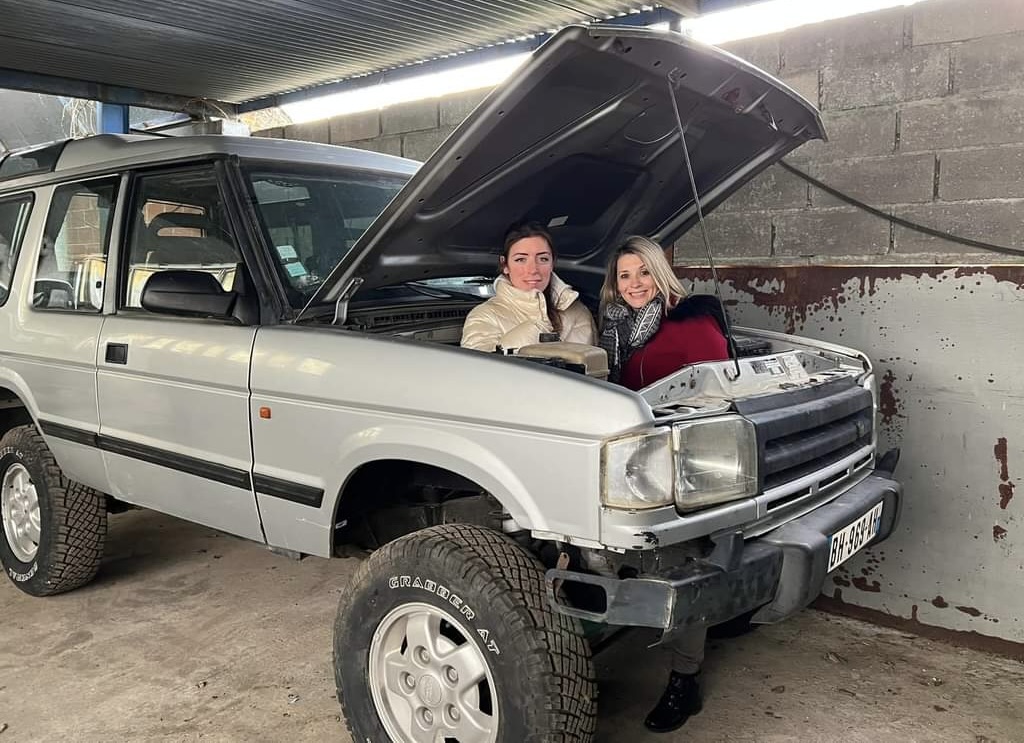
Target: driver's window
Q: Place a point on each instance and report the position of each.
(73, 258)
(178, 222)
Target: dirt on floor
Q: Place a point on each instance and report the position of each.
(189, 634)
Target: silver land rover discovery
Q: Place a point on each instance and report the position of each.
(262, 336)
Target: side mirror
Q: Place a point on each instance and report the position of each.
(187, 293)
(53, 294)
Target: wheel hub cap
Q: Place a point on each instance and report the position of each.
(429, 679)
(19, 509)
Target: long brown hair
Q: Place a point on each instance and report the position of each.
(516, 232)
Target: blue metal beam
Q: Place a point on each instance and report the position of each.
(112, 118)
(486, 54)
(50, 85)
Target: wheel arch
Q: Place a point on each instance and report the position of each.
(446, 459)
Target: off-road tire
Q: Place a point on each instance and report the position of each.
(541, 666)
(73, 521)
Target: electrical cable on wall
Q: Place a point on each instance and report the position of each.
(923, 229)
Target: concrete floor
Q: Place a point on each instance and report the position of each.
(189, 634)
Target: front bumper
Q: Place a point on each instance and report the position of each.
(776, 574)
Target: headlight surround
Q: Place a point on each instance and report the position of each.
(716, 461)
(637, 471)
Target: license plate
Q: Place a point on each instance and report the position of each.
(846, 542)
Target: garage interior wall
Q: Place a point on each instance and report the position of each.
(924, 107)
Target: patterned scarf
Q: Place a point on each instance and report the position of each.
(624, 330)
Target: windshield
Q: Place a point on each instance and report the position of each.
(313, 219)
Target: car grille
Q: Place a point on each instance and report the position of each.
(808, 430)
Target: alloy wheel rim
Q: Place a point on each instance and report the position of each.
(429, 679)
(19, 508)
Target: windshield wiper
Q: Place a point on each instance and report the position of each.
(431, 290)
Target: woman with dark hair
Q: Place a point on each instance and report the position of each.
(529, 298)
(650, 329)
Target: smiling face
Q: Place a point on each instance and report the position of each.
(634, 282)
(529, 263)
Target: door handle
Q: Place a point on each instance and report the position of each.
(117, 353)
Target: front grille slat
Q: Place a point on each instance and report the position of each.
(799, 435)
(806, 446)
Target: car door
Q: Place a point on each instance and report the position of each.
(174, 390)
(54, 327)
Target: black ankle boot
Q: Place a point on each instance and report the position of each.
(680, 701)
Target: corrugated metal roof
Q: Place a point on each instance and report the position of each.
(240, 50)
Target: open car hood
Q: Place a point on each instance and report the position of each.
(583, 138)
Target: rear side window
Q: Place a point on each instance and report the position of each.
(13, 220)
(73, 258)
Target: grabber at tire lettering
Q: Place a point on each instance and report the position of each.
(446, 634)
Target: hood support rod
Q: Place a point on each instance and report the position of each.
(673, 82)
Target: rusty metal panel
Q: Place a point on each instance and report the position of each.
(946, 344)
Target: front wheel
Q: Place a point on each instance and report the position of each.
(53, 529)
(446, 634)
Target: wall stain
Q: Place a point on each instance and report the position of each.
(969, 610)
(862, 584)
(967, 638)
(1001, 456)
(840, 581)
(1006, 486)
(794, 292)
(998, 533)
(939, 602)
(888, 402)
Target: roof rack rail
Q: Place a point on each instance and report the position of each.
(24, 161)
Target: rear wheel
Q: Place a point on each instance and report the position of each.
(53, 529)
(446, 634)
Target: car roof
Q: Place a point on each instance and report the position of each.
(114, 152)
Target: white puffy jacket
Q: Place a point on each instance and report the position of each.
(516, 317)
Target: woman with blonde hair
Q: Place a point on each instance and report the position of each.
(649, 326)
(650, 329)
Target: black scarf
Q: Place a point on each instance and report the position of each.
(624, 330)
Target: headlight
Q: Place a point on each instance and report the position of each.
(716, 461)
(636, 471)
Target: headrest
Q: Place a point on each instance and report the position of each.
(171, 220)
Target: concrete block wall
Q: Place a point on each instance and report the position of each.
(924, 108)
(412, 130)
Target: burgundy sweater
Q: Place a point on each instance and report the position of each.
(691, 333)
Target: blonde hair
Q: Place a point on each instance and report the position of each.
(654, 261)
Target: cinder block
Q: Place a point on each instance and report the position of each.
(859, 132)
(760, 51)
(275, 133)
(831, 232)
(805, 83)
(897, 179)
(387, 145)
(963, 122)
(421, 145)
(775, 188)
(455, 108)
(877, 34)
(996, 62)
(731, 235)
(991, 221)
(911, 75)
(939, 21)
(353, 127)
(409, 117)
(996, 173)
(313, 131)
